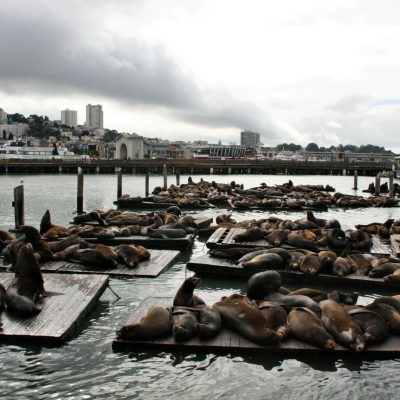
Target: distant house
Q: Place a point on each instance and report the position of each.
(129, 146)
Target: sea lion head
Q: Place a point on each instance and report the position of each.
(174, 210)
(192, 282)
(127, 331)
(31, 233)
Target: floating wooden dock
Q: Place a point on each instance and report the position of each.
(148, 242)
(395, 244)
(62, 313)
(150, 205)
(158, 262)
(222, 268)
(228, 342)
(223, 237)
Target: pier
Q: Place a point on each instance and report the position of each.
(192, 166)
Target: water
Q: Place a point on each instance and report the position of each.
(87, 368)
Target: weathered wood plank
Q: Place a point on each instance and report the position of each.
(223, 268)
(378, 247)
(216, 236)
(71, 298)
(228, 342)
(202, 221)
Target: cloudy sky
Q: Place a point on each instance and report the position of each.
(296, 71)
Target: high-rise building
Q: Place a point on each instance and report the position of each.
(94, 116)
(69, 118)
(3, 116)
(250, 139)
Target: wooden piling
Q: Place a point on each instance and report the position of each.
(377, 184)
(165, 174)
(147, 184)
(18, 205)
(355, 180)
(119, 183)
(178, 177)
(79, 198)
(391, 187)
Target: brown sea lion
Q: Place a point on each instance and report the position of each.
(341, 267)
(184, 297)
(155, 325)
(359, 239)
(33, 236)
(307, 327)
(184, 323)
(49, 230)
(64, 254)
(395, 277)
(383, 270)
(296, 240)
(296, 260)
(327, 258)
(6, 236)
(348, 298)
(166, 233)
(127, 255)
(93, 216)
(143, 253)
(336, 238)
(341, 326)
(93, 258)
(247, 321)
(389, 314)
(390, 301)
(315, 294)
(265, 261)
(374, 327)
(25, 292)
(232, 253)
(262, 283)
(276, 317)
(359, 264)
(277, 237)
(209, 322)
(310, 264)
(62, 244)
(249, 235)
(291, 301)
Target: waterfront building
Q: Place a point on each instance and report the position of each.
(17, 130)
(3, 116)
(94, 116)
(69, 118)
(129, 146)
(250, 139)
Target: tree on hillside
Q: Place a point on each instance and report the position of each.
(312, 147)
(18, 118)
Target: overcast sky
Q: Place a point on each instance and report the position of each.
(296, 71)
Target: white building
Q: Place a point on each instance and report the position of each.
(129, 146)
(17, 130)
(69, 118)
(250, 139)
(94, 116)
(3, 116)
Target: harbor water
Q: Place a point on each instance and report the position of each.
(87, 368)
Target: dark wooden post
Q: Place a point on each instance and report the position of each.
(355, 180)
(79, 198)
(165, 173)
(377, 184)
(119, 183)
(18, 205)
(147, 184)
(391, 187)
(178, 177)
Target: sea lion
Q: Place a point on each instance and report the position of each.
(343, 297)
(183, 324)
(265, 261)
(232, 253)
(315, 294)
(296, 240)
(225, 218)
(341, 326)
(6, 236)
(310, 264)
(262, 283)
(253, 253)
(336, 238)
(297, 257)
(390, 301)
(389, 314)
(276, 317)
(359, 264)
(278, 236)
(374, 327)
(166, 233)
(26, 290)
(341, 267)
(40, 246)
(62, 244)
(291, 301)
(307, 327)
(327, 258)
(63, 255)
(359, 239)
(93, 258)
(127, 255)
(249, 235)
(383, 270)
(93, 216)
(209, 322)
(395, 277)
(184, 297)
(174, 210)
(247, 321)
(143, 253)
(50, 231)
(155, 325)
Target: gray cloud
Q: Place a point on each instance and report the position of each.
(50, 53)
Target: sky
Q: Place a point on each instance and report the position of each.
(296, 71)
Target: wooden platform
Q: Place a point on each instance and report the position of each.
(150, 243)
(223, 237)
(228, 342)
(395, 244)
(158, 262)
(61, 315)
(222, 268)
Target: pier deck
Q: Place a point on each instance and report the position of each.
(62, 313)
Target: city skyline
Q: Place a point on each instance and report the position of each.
(309, 72)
